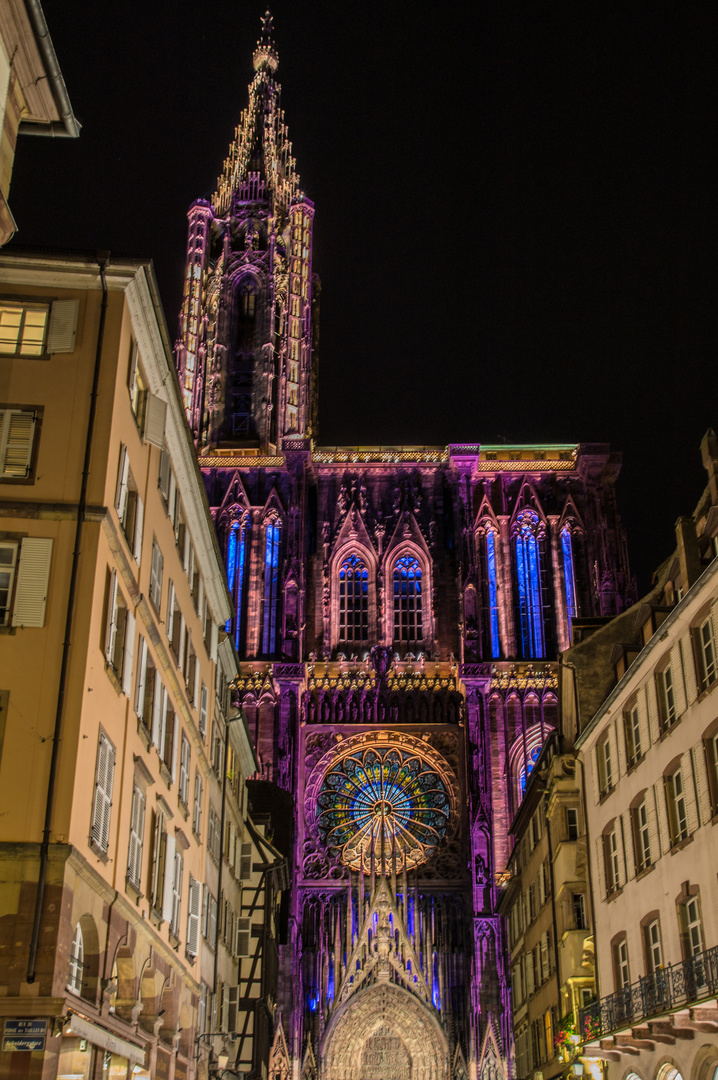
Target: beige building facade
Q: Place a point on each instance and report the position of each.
(121, 910)
(650, 754)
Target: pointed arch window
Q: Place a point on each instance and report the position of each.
(272, 539)
(528, 581)
(236, 574)
(569, 580)
(408, 624)
(353, 601)
(488, 543)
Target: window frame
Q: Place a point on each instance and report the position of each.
(76, 965)
(21, 470)
(25, 307)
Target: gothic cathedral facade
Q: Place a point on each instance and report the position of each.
(398, 618)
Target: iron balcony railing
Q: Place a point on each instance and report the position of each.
(667, 988)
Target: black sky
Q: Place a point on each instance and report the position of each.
(516, 220)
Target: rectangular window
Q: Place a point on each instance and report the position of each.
(194, 902)
(156, 576)
(711, 753)
(203, 703)
(245, 862)
(217, 750)
(184, 770)
(176, 893)
(209, 918)
(17, 433)
(676, 803)
(623, 977)
(197, 809)
(654, 955)
(613, 877)
(605, 766)
(642, 836)
(22, 329)
(8, 559)
(137, 832)
(632, 733)
(666, 698)
(243, 937)
(104, 779)
(572, 823)
(159, 852)
(146, 681)
(137, 386)
(706, 653)
(693, 929)
(213, 837)
(129, 505)
(579, 911)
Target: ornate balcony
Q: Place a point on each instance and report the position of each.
(664, 990)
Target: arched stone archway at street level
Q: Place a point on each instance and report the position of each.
(384, 1033)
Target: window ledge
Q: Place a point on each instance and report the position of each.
(174, 940)
(132, 890)
(614, 893)
(603, 795)
(678, 845)
(645, 870)
(165, 774)
(98, 851)
(113, 677)
(156, 917)
(144, 733)
(184, 811)
(707, 689)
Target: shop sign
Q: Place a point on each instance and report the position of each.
(162, 1066)
(98, 1036)
(28, 1035)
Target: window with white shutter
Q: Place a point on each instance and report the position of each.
(8, 560)
(157, 876)
(156, 576)
(193, 916)
(137, 832)
(128, 655)
(116, 627)
(63, 326)
(104, 777)
(155, 416)
(33, 576)
(146, 681)
(176, 893)
(197, 811)
(232, 993)
(17, 432)
(184, 770)
(203, 703)
(164, 476)
(169, 877)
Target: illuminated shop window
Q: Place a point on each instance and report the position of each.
(408, 626)
(353, 600)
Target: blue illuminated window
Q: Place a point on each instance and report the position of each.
(236, 559)
(530, 610)
(353, 600)
(493, 599)
(568, 578)
(408, 625)
(527, 767)
(271, 588)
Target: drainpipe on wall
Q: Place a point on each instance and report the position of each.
(102, 262)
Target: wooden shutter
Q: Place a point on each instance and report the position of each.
(689, 790)
(664, 836)
(123, 473)
(128, 655)
(679, 685)
(63, 326)
(245, 865)
(17, 431)
(233, 1001)
(155, 414)
(103, 792)
(139, 523)
(700, 772)
(203, 709)
(691, 652)
(193, 916)
(33, 576)
(643, 729)
(175, 737)
(157, 712)
(214, 637)
(170, 610)
(601, 865)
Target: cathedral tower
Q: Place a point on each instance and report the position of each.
(244, 354)
(398, 618)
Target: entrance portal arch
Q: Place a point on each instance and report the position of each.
(384, 1033)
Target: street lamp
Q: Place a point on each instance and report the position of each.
(577, 1068)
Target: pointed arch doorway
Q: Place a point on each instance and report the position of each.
(384, 1033)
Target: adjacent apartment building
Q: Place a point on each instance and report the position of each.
(650, 752)
(129, 871)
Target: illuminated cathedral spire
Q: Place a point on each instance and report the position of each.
(245, 349)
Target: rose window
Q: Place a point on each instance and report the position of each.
(392, 804)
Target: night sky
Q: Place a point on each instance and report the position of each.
(516, 224)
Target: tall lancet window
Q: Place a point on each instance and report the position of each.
(568, 576)
(271, 587)
(236, 564)
(353, 601)
(408, 626)
(528, 581)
